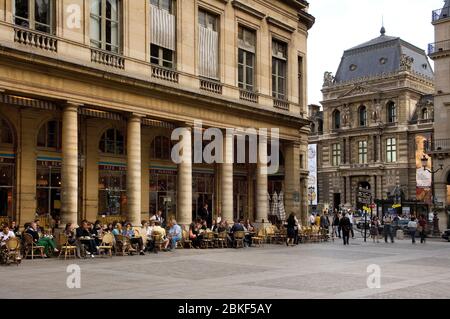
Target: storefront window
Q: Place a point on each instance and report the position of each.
(48, 188)
(240, 198)
(202, 192)
(163, 192)
(6, 186)
(112, 190)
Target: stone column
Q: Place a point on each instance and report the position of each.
(348, 187)
(262, 204)
(184, 191)
(292, 179)
(69, 171)
(226, 186)
(134, 169)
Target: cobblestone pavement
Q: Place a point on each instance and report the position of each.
(325, 270)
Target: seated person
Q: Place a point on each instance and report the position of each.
(194, 236)
(150, 242)
(6, 234)
(221, 227)
(118, 230)
(48, 243)
(175, 233)
(248, 226)
(215, 226)
(15, 228)
(129, 232)
(72, 239)
(84, 236)
(161, 231)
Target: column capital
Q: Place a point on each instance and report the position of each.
(136, 116)
(72, 106)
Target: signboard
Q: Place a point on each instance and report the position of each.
(364, 196)
(312, 179)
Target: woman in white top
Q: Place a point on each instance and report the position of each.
(412, 225)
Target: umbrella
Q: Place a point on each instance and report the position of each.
(275, 204)
(281, 210)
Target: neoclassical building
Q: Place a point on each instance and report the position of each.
(377, 113)
(91, 90)
(439, 149)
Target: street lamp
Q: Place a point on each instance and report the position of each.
(311, 191)
(424, 161)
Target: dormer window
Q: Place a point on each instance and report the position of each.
(425, 114)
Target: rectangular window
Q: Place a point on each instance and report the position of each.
(302, 163)
(362, 152)
(163, 33)
(35, 14)
(300, 82)
(279, 65)
(208, 45)
(246, 58)
(336, 154)
(105, 26)
(391, 150)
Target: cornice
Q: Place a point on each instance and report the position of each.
(280, 24)
(247, 9)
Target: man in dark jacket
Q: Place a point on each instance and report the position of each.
(205, 215)
(345, 226)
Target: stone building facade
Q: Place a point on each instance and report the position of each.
(376, 113)
(91, 90)
(439, 149)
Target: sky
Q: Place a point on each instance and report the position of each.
(342, 24)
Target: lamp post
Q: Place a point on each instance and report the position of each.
(311, 191)
(433, 200)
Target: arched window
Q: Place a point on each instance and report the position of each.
(6, 136)
(362, 115)
(425, 114)
(391, 112)
(336, 120)
(160, 148)
(112, 142)
(49, 135)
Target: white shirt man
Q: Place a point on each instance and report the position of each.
(350, 216)
(5, 236)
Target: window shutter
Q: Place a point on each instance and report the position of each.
(208, 52)
(163, 28)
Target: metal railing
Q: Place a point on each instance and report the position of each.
(35, 39)
(107, 58)
(440, 145)
(438, 47)
(440, 14)
(164, 74)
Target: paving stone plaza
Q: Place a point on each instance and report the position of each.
(326, 270)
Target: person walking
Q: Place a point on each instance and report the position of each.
(412, 226)
(325, 224)
(336, 229)
(374, 226)
(422, 227)
(345, 226)
(290, 230)
(350, 217)
(312, 219)
(387, 229)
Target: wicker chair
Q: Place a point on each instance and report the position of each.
(66, 248)
(208, 240)
(258, 240)
(187, 243)
(31, 247)
(238, 239)
(12, 251)
(123, 245)
(107, 244)
(158, 240)
(222, 240)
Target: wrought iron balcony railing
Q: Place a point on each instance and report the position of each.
(438, 47)
(441, 145)
(440, 14)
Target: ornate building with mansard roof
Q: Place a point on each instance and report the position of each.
(376, 114)
(91, 91)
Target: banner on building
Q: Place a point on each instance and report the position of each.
(312, 180)
(423, 177)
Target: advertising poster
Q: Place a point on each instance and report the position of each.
(423, 177)
(312, 180)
